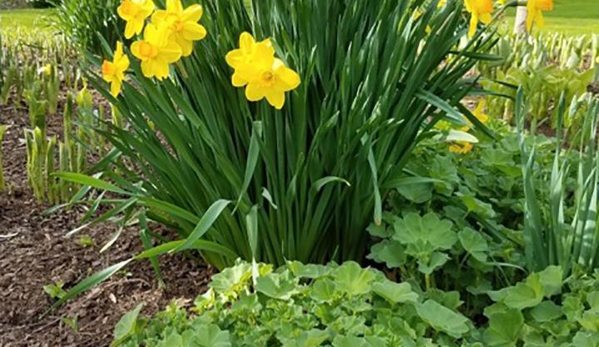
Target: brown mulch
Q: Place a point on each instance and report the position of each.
(35, 252)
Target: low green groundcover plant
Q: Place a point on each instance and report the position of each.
(314, 305)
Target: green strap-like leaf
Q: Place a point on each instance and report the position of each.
(169, 209)
(252, 160)
(378, 203)
(205, 223)
(90, 181)
(329, 179)
(252, 226)
(89, 282)
(174, 246)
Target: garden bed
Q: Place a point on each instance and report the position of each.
(454, 208)
(34, 252)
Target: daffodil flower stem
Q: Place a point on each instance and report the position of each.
(181, 68)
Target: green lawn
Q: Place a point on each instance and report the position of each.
(29, 19)
(588, 9)
(573, 17)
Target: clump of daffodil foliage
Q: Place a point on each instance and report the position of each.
(274, 130)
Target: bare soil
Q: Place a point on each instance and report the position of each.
(35, 252)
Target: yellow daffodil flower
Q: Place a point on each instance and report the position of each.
(479, 113)
(242, 59)
(114, 72)
(183, 24)
(441, 3)
(156, 52)
(461, 147)
(135, 12)
(272, 82)
(535, 12)
(264, 75)
(46, 70)
(480, 10)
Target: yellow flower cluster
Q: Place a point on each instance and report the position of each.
(482, 10)
(170, 35)
(263, 75)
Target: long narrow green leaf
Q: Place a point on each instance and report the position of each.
(205, 223)
(174, 246)
(252, 161)
(88, 283)
(90, 181)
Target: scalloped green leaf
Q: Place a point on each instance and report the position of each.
(474, 243)
(395, 292)
(443, 319)
(353, 279)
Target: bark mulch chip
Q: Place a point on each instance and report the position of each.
(35, 252)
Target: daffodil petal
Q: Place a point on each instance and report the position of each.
(186, 47)
(135, 50)
(115, 87)
(174, 6)
(123, 63)
(486, 18)
(234, 58)
(159, 17)
(151, 34)
(264, 57)
(288, 78)
(147, 68)
(192, 14)
(130, 30)
(539, 19)
(171, 53)
(246, 42)
(254, 92)
(473, 25)
(238, 81)
(276, 99)
(193, 31)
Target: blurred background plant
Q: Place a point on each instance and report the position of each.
(45, 76)
(41, 3)
(545, 66)
(3, 129)
(87, 23)
(560, 228)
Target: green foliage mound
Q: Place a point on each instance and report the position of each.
(313, 305)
